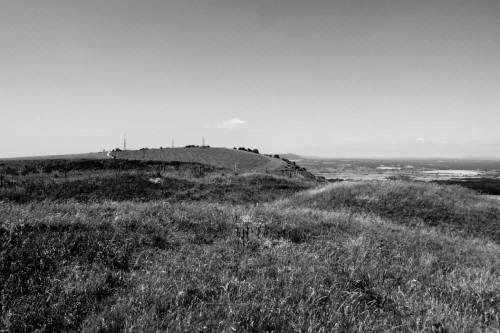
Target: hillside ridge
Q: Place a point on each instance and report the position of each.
(226, 158)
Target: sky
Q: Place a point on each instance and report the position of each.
(334, 78)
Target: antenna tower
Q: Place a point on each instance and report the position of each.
(125, 142)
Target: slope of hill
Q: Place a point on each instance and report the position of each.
(219, 157)
(84, 156)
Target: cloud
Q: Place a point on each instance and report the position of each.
(233, 123)
(228, 124)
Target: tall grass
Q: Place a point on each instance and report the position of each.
(159, 266)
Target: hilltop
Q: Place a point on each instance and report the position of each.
(219, 157)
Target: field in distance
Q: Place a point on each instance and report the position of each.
(419, 169)
(480, 175)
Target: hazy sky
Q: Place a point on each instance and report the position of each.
(317, 77)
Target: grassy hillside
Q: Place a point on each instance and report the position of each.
(88, 156)
(246, 253)
(219, 157)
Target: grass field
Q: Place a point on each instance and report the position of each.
(255, 253)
